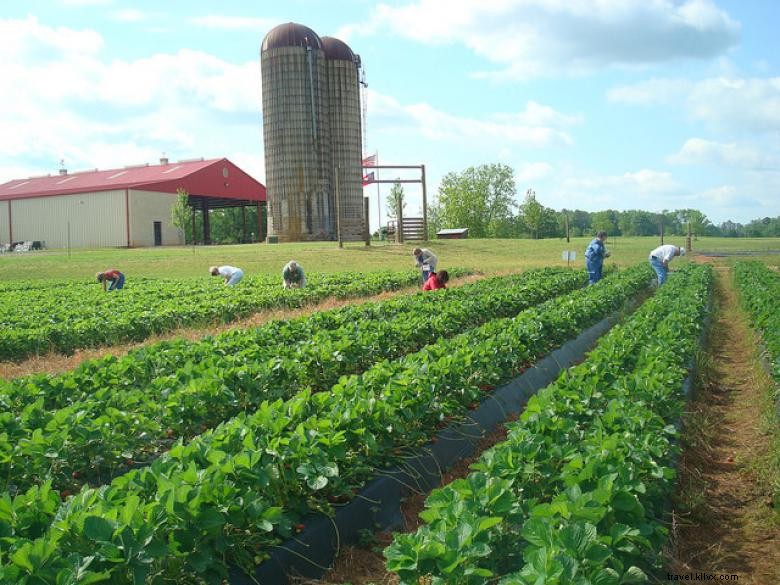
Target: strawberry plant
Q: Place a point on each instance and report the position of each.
(229, 494)
(759, 289)
(38, 317)
(577, 491)
(117, 415)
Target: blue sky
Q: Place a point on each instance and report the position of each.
(595, 104)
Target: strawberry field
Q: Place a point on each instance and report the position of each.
(190, 462)
(577, 492)
(759, 288)
(42, 316)
(182, 459)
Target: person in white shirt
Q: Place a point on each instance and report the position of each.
(660, 258)
(231, 274)
(426, 260)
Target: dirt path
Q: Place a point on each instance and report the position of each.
(724, 522)
(365, 564)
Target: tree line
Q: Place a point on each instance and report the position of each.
(483, 199)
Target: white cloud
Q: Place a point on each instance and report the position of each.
(724, 196)
(535, 126)
(749, 104)
(219, 21)
(528, 173)
(130, 15)
(27, 41)
(642, 181)
(86, 2)
(734, 104)
(188, 103)
(651, 91)
(697, 151)
(541, 37)
(643, 189)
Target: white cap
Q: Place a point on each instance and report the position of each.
(682, 251)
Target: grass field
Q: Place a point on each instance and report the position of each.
(481, 255)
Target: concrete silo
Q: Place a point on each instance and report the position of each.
(311, 126)
(345, 133)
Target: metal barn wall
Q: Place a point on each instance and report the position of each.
(146, 207)
(295, 133)
(5, 237)
(96, 220)
(346, 144)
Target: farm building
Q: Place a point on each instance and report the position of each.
(127, 207)
(312, 132)
(453, 234)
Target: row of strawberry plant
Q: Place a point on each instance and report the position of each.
(65, 318)
(232, 492)
(141, 367)
(92, 438)
(577, 491)
(759, 289)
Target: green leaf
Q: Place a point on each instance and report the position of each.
(624, 502)
(606, 577)
(537, 532)
(487, 523)
(634, 575)
(317, 483)
(21, 558)
(98, 529)
(210, 518)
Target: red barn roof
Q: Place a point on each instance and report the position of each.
(209, 178)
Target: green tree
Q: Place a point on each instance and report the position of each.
(605, 221)
(699, 222)
(181, 214)
(638, 223)
(395, 199)
(233, 225)
(540, 221)
(480, 198)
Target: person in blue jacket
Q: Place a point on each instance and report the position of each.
(594, 257)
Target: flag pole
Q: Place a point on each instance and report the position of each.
(378, 204)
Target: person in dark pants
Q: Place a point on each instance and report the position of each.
(426, 260)
(111, 279)
(594, 257)
(293, 275)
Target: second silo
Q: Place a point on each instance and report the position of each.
(345, 133)
(311, 128)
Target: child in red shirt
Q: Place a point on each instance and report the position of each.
(436, 280)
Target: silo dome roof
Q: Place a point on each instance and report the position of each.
(337, 50)
(291, 34)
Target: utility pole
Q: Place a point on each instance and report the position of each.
(425, 204)
(338, 210)
(366, 228)
(688, 241)
(399, 233)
